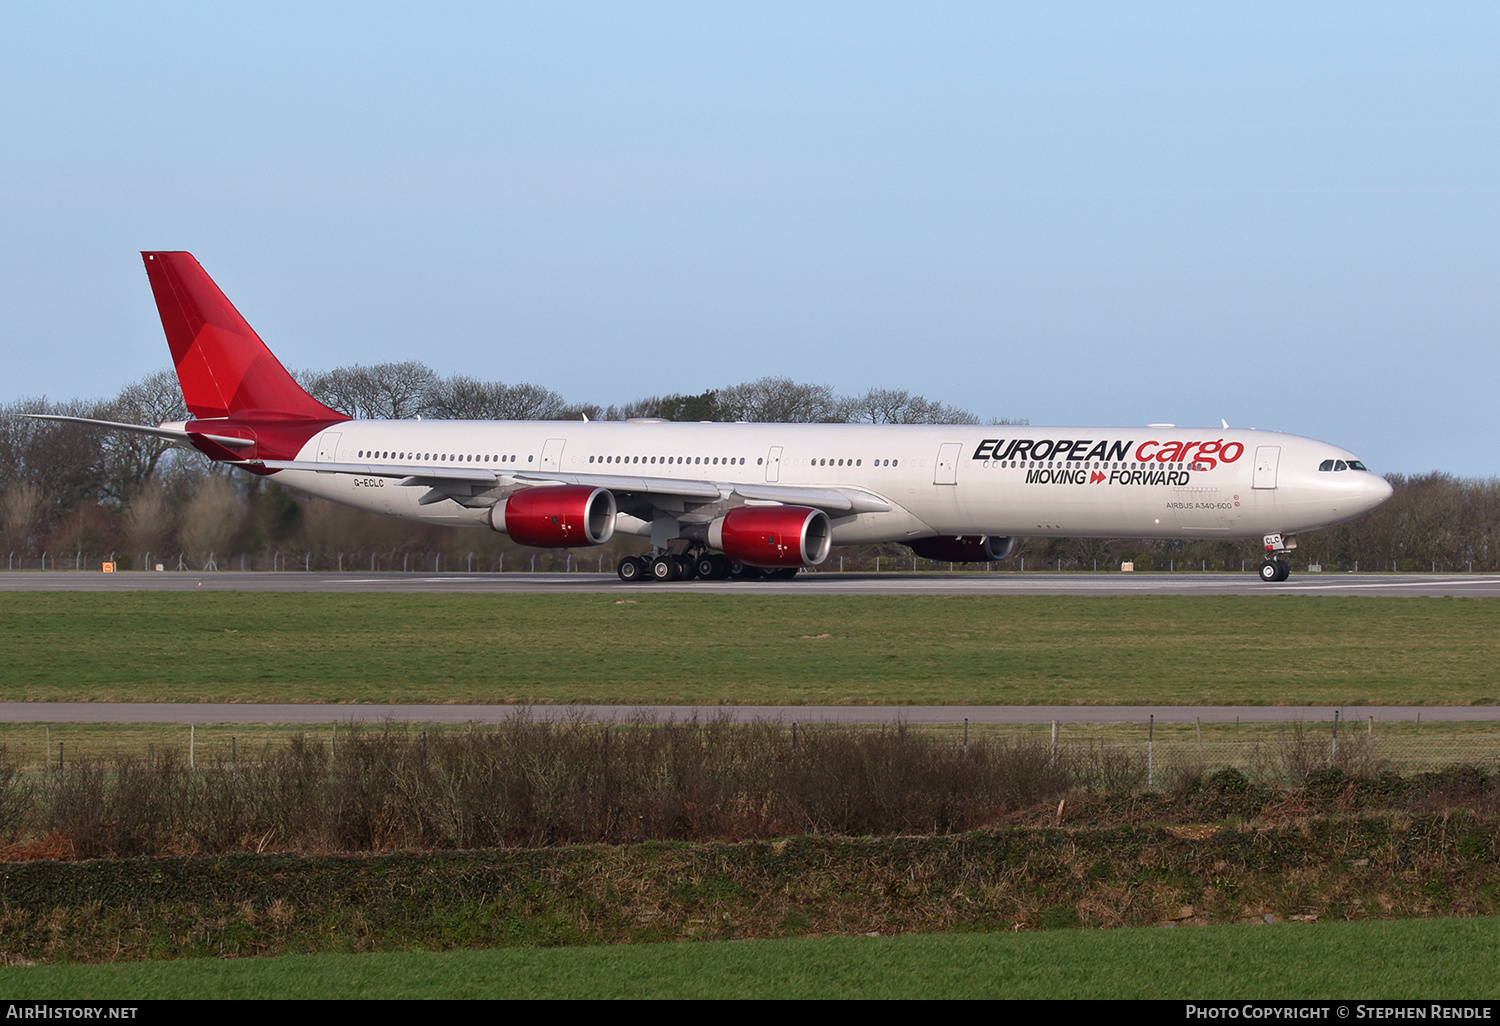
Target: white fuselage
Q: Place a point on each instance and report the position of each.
(938, 480)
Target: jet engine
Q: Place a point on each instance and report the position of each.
(556, 517)
(773, 536)
(969, 548)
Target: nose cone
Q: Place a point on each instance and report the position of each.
(1374, 490)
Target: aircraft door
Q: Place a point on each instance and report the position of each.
(1266, 459)
(773, 464)
(328, 447)
(947, 464)
(552, 454)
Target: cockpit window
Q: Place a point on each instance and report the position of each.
(1326, 465)
(1356, 465)
(1340, 465)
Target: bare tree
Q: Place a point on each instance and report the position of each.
(781, 401)
(465, 398)
(211, 517)
(386, 391)
(148, 519)
(128, 459)
(21, 514)
(898, 406)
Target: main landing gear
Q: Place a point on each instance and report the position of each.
(1275, 569)
(664, 567)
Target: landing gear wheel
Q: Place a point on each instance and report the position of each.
(1274, 571)
(786, 573)
(712, 568)
(687, 567)
(741, 572)
(631, 569)
(664, 569)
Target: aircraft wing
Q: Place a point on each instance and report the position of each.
(461, 480)
(418, 475)
(830, 500)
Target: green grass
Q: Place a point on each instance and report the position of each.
(1435, 958)
(706, 649)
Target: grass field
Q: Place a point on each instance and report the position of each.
(1433, 959)
(707, 649)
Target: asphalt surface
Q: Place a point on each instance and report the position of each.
(932, 583)
(151, 712)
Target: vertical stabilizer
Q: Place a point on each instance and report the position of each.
(223, 366)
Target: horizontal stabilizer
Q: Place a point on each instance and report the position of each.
(173, 433)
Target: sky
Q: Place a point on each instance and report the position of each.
(1283, 215)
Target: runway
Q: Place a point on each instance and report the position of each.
(813, 583)
(150, 712)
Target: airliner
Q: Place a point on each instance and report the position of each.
(717, 500)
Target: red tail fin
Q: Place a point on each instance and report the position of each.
(223, 366)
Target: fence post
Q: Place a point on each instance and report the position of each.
(1150, 753)
(1333, 752)
(966, 737)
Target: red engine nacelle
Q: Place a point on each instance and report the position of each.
(556, 517)
(969, 548)
(773, 536)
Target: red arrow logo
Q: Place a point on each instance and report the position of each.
(1095, 477)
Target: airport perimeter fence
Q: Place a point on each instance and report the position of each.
(1161, 756)
(528, 782)
(1113, 755)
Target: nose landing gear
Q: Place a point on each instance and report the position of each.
(1276, 569)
